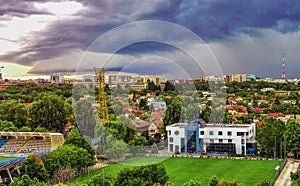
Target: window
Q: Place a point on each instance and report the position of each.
(171, 139)
(220, 140)
(211, 140)
(220, 133)
(169, 133)
(247, 133)
(239, 134)
(201, 132)
(176, 132)
(229, 140)
(211, 133)
(229, 133)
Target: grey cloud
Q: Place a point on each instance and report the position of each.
(213, 20)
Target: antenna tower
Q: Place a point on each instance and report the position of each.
(283, 77)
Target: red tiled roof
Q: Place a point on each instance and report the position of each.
(258, 110)
(275, 114)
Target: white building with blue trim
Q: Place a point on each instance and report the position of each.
(197, 137)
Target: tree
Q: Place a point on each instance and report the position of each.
(25, 180)
(34, 167)
(169, 87)
(137, 144)
(85, 117)
(115, 149)
(116, 129)
(130, 127)
(145, 116)
(173, 111)
(75, 138)
(49, 112)
(68, 155)
(102, 180)
(292, 137)
(192, 183)
(269, 136)
(7, 126)
(25, 129)
(14, 111)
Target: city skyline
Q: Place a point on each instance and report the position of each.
(44, 37)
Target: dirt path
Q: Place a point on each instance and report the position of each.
(284, 177)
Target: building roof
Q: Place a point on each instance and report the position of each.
(28, 134)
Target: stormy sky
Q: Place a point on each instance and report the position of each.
(66, 36)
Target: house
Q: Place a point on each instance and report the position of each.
(141, 126)
(236, 109)
(155, 127)
(275, 114)
(258, 110)
(210, 138)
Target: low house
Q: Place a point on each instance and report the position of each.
(141, 126)
(155, 127)
(236, 109)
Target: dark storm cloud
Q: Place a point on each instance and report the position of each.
(16, 8)
(212, 20)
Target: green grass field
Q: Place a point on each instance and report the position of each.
(3, 158)
(180, 170)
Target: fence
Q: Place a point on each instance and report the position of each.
(278, 171)
(6, 162)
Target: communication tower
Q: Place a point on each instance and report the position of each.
(283, 77)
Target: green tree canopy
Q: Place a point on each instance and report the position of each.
(14, 111)
(49, 112)
(269, 136)
(34, 167)
(68, 155)
(292, 137)
(7, 126)
(75, 138)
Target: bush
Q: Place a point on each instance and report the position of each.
(143, 176)
(295, 176)
(25, 180)
(99, 181)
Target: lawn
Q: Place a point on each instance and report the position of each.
(3, 158)
(180, 170)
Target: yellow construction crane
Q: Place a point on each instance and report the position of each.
(102, 110)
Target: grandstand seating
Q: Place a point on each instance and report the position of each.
(12, 146)
(29, 142)
(26, 146)
(3, 141)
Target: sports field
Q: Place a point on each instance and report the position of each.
(3, 158)
(180, 170)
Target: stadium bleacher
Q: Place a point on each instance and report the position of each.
(29, 142)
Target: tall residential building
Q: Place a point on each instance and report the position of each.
(237, 77)
(57, 78)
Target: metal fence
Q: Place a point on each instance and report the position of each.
(278, 171)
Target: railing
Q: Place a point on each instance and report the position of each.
(278, 171)
(6, 162)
